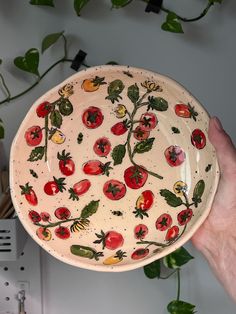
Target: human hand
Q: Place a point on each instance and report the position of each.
(216, 238)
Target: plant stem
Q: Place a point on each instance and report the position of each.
(6, 88)
(178, 284)
(152, 243)
(51, 225)
(36, 83)
(184, 19)
(46, 138)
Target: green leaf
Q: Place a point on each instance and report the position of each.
(119, 3)
(208, 167)
(215, 1)
(171, 198)
(33, 173)
(90, 209)
(144, 146)
(153, 270)
(180, 307)
(37, 153)
(112, 63)
(80, 138)
(2, 132)
(56, 118)
(118, 154)
(42, 2)
(198, 192)
(175, 130)
(114, 90)
(50, 39)
(172, 24)
(157, 103)
(177, 259)
(78, 5)
(133, 93)
(30, 62)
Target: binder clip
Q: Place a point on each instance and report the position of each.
(78, 60)
(154, 6)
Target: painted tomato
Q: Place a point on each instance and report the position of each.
(163, 222)
(92, 117)
(185, 111)
(57, 137)
(180, 188)
(198, 139)
(96, 167)
(148, 121)
(140, 134)
(34, 216)
(102, 147)
(113, 240)
(120, 111)
(29, 194)
(135, 177)
(110, 240)
(172, 233)
(145, 200)
(66, 164)
(62, 232)
(79, 188)
(115, 259)
(91, 85)
(184, 216)
(44, 234)
(55, 186)
(175, 156)
(140, 253)
(43, 109)
(114, 190)
(120, 128)
(62, 213)
(33, 135)
(140, 231)
(45, 216)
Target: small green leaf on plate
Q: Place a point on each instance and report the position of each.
(198, 192)
(208, 167)
(172, 24)
(157, 103)
(133, 93)
(180, 307)
(33, 173)
(56, 118)
(90, 209)
(37, 153)
(177, 258)
(50, 39)
(175, 130)
(144, 146)
(118, 153)
(78, 5)
(80, 138)
(153, 270)
(171, 198)
(42, 2)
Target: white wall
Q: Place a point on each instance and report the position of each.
(203, 60)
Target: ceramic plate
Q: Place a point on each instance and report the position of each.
(113, 169)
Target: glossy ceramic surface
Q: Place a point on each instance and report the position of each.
(113, 169)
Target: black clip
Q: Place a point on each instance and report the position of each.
(154, 6)
(78, 60)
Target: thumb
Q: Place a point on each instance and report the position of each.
(225, 149)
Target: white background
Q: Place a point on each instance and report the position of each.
(203, 60)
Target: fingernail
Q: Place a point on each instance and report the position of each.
(218, 124)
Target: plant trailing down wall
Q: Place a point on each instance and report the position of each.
(160, 269)
(173, 22)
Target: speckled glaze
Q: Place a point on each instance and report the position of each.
(113, 169)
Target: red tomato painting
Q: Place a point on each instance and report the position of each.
(172, 233)
(148, 121)
(140, 253)
(33, 135)
(163, 222)
(44, 109)
(140, 231)
(114, 189)
(198, 139)
(184, 216)
(135, 177)
(102, 147)
(174, 155)
(92, 117)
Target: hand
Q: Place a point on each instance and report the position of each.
(216, 238)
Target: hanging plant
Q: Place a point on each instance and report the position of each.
(173, 22)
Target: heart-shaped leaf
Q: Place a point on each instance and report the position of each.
(42, 2)
(172, 24)
(178, 258)
(118, 154)
(119, 3)
(171, 198)
(78, 5)
(153, 270)
(180, 307)
(50, 39)
(29, 62)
